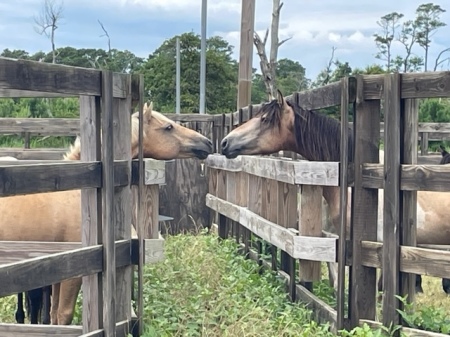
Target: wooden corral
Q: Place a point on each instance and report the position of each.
(106, 253)
(279, 199)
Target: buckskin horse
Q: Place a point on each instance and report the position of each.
(57, 215)
(284, 125)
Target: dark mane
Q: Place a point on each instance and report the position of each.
(445, 156)
(318, 136)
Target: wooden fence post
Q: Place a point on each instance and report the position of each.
(362, 288)
(91, 210)
(392, 204)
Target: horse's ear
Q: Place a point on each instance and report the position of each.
(148, 111)
(280, 98)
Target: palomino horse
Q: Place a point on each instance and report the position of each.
(37, 301)
(58, 214)
(282, 125)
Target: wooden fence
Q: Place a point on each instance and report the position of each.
(278, 200)
(106, 252)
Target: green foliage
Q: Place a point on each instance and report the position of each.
(428, 318)
(434, 110)
(221, 75)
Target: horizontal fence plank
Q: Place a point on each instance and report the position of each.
(288, 171)
(122, 330)
(43, 126)
(155, 172)
(51, 173)
(299, 247)
(39, 178)
(153, 250)
(33, 154)
(14, 251)
(405, 331)
(44, 270)
(414, 85)
(24, 75)
(413, 260)
(38, 330)
(413, 177)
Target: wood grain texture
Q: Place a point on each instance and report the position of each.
(413, 177)
(122, 198)
(362, 285)
(407, 332)
(14, 251)
(91, 210)
(288, 171)
(53, 268)
(154, 250)
(245, 71)
(412, 259)
(413, 85)
(108, 204)
(299, 247)
(41, 126)
(55, 78)
(37, 330)
(409, 123)
(392, 207)
(310, 224)
(183, 196)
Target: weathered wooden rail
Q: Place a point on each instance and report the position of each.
(105, 173)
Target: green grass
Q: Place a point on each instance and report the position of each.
(204, 288)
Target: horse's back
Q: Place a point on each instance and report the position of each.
(54, 216)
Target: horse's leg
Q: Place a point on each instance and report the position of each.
(67, 299)
(35, 304)
(46, 305)
(55, 303)
(419, 284)
(20, 313)
(446, 285)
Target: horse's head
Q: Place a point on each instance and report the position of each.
(269, 131)
(164, 139)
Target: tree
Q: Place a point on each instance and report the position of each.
(428, 21)
(48, 20)
(221, 74)
(268, 66)
(290, 78)
(389, 23)
(408, 37)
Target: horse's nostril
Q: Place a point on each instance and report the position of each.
(224, 144)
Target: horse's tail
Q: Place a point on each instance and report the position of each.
(75, 150)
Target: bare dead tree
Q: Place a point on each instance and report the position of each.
(438, 61)
(107, 36)
(328, 71)
(49, 19)
(269, 66)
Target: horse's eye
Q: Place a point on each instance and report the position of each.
(263, 119)
(169, 127)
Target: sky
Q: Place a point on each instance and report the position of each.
(140, 26)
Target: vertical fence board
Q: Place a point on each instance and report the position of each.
(362, 287)
(108, 220)
(392, 204)
(91, 210)
(409, 123)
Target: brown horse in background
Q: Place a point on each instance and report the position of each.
(283, 125)
(57, 215)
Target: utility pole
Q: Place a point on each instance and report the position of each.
(246, 53)
(203, 59)
(178, 90)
